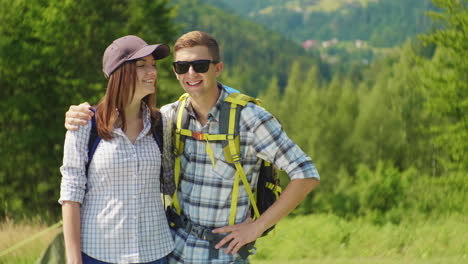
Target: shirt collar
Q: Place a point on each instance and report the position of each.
(146, 116)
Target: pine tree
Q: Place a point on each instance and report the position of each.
(379, 132)
(343, 124)
(445, 79)
(271, 98)
(406, 80)
(308, 108)
(290, 103)
(51, 57)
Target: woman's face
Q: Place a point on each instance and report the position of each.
(146, 77)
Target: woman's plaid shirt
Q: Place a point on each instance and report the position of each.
(122, 217)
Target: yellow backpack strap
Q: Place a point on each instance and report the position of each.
(241, 99)
(233, 154)
(178, 149)
(229, 117)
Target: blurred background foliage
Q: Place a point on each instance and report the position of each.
(388, 132)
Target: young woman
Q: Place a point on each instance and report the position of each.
(112, 211)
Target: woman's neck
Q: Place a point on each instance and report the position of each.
(133, 110)
(133, 121)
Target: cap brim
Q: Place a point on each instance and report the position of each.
(159, 51)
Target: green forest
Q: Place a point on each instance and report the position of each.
(389, 136)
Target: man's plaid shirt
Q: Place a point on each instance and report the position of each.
(205, 190)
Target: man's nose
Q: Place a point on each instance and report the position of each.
(191, 70)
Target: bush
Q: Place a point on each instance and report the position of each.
(385, 194)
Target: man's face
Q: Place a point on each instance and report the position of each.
(198, 84)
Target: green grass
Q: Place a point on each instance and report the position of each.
(365, 260)
(13, 233)
(314, 239)
(329, 239)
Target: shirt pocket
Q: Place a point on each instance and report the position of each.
(224, 170)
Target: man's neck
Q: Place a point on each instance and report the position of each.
(202, 105)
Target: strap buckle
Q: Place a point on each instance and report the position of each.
(198, 135)
(196, 230)
(235, 158)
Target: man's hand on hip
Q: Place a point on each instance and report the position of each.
(239, 235)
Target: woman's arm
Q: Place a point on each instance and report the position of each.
(73, 188)
(71, 231)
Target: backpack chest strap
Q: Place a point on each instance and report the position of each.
(201, 136)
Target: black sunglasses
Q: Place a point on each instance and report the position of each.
(199, 66)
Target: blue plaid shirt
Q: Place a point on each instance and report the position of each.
(205, 190)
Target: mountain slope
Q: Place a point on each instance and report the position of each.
(252, 54)
(383, 23)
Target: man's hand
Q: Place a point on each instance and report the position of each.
(240, 234)
(250, 230)
(77, 115)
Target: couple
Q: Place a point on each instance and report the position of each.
(113, 213)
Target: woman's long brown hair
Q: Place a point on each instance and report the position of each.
(119, 93)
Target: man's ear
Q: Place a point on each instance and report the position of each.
(219, 68)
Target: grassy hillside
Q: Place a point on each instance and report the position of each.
(296, 5)
(384, 23)
(252, 7)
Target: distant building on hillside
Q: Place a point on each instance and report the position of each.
(358, 43)
(329, 43)
(297, 9)
(309, 44)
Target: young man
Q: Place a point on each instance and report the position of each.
(206, 181)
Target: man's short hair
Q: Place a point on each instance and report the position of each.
(198, 38)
